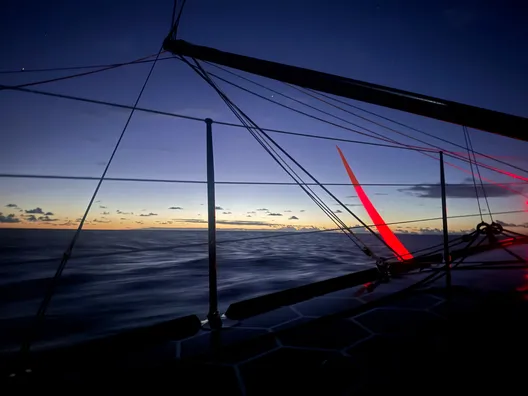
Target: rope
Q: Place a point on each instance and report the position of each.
(256, 183)
(67, 254)
(170, 114)
(176, 22)
(421, 149)
(270, 150)
(2, 87)
(209, 80)
(480, 177)
(398, 123)
(472, 172)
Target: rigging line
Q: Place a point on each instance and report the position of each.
(269, 149)
(473, 173)
(401, 124)
(68, 68)
(242, 117)
(176, 22)
(300, 111)
(47, 298)
(422, 149)
(478, 172)
(125, 179)
(174, 8)
(79, 74)
(308, 105)
(274, 235)
(311, 176)
(340, 118)
(170, 114)
(337, 221)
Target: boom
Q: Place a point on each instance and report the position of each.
(457, 113)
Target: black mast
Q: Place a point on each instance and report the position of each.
(474, 117)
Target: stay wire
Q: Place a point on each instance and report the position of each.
(478, 172)
(67, 254)
(273, 153)
(472, 172)
(424, 150)
(171, 114)
(71, 76)
(315, 180)
(398, 123)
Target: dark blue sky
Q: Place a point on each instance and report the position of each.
(474, 52)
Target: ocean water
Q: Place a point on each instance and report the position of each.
(119, 280)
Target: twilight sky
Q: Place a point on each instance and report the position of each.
(473, 52)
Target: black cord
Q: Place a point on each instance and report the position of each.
(472, 172)
(422, 149)
(2, 87)
(170, 114)
(480, 177)
(67, 254)
(398, 123)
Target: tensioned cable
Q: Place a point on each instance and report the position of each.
(470, 145)
(301, 167)
(67, 254)
(395, 122)
(230, 124)
(69, 68)
(263, 183)
(473, 173)
(424, 149)
(79, 74)
(270, 150)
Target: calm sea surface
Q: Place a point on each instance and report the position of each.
(118, 280)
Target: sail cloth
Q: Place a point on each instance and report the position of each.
(386, 233)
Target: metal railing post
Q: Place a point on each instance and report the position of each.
(215, 321)
(447, 258)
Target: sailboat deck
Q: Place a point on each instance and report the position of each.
(333, 344)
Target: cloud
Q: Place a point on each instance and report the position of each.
(248, 216)
(219, 208)
(338, 211)
(287, 228)
(428, 230)
(230, 222)
(49, 214)
(380, 194)
(46, 218)
(293, 218)
(10, 218)
(252, 212)
(124, 213)
(456, 191)
(148, 215)
(226, 213)
(351, 196)
(100, 221)
(504, 224)
(351, 205)
(35, 211)
(103, 207)
(274, 214)
(31, 218)
(302, 210)
(11, 206)
(176, 208)
(287, 211)
(123, 218)
(262, 210)
(104, 213)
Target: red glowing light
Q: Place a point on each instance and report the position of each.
(386, 233)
